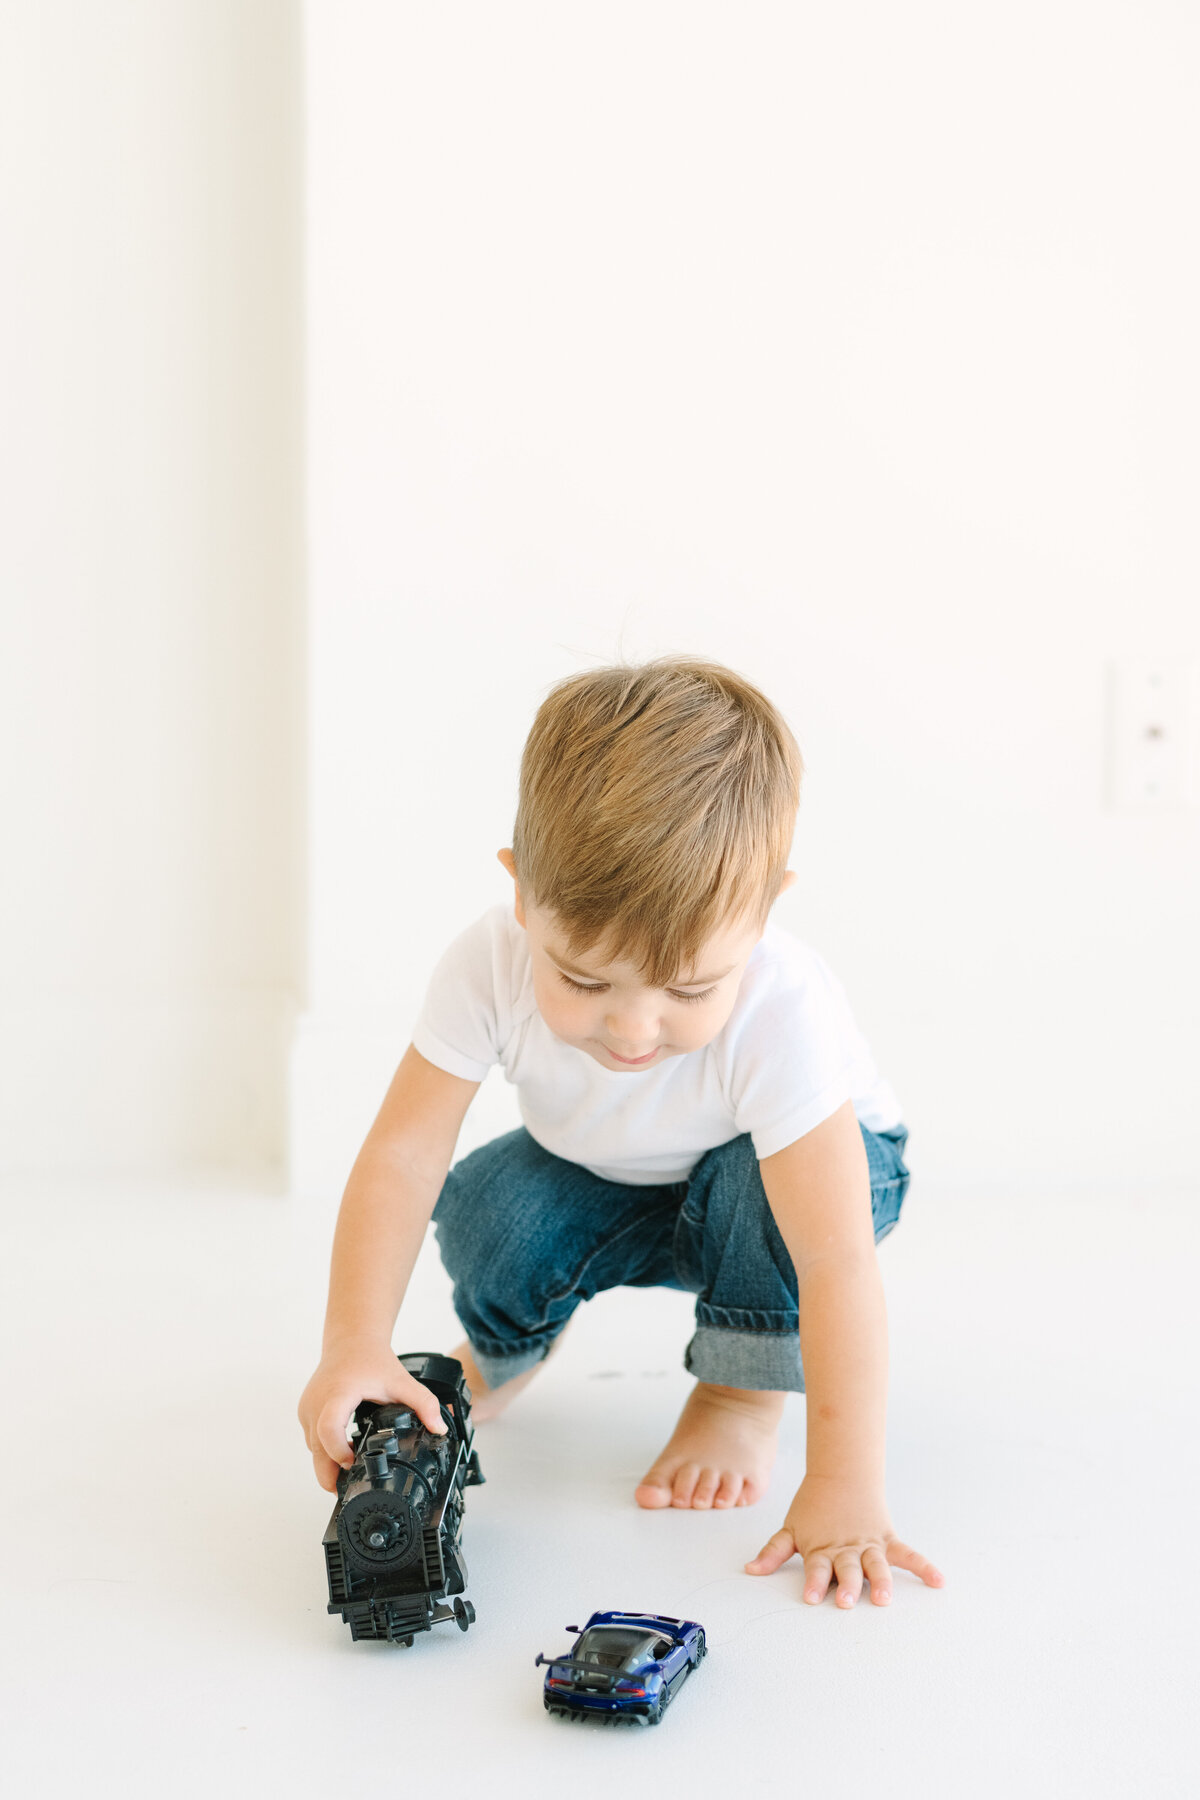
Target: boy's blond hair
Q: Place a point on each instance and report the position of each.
(657, 804)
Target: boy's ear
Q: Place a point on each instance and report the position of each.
(506, 857)
(790, 878)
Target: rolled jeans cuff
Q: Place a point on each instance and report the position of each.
(746, 1359)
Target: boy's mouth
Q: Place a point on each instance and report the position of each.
(633, 1062)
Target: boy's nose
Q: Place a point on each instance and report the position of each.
(631, 1034)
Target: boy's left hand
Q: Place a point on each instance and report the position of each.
(842, 1528)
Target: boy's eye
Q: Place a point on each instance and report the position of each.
(581, 987)
(600, 987)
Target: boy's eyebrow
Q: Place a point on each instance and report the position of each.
(587, 975)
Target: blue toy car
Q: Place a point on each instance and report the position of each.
(623, 1665)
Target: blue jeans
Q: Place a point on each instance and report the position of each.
(525, 1236)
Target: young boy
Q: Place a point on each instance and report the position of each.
(700, 1113)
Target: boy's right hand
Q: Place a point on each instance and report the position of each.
(346, 1374)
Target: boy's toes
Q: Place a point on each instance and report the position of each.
(706, 1488)
(730, 1488)
(686, 1478)
(655, 1490)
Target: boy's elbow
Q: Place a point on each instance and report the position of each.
(844, 1262)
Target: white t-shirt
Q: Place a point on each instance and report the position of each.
(786, 1058)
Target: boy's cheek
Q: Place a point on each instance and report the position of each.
(694, 1033)
(560, 1016)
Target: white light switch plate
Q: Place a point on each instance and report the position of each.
(1154, 749)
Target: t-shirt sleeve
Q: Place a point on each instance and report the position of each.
(462, 1026)
(796, 1058)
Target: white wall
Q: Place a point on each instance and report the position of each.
(150, 469)
(854, 345)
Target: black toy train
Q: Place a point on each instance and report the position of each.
(392, 1553)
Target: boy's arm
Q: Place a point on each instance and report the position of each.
(389, 1198)
(820, 1194)
(819, 1190)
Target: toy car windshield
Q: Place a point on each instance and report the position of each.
(612, 1647)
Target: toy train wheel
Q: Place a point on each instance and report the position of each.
(464, 1614)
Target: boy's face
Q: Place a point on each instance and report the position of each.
(606, 1008)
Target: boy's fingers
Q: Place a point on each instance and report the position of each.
(334, 1419)
(326, 1471)
(905, 1557)
(773, 1554)
(427, 1408)
(876, 1570)
(818, 1573)
(848, 1567)
(331, 1430)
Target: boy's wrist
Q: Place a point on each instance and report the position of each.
(864, 1479)
(353, 1340)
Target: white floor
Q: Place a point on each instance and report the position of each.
(166, 1631)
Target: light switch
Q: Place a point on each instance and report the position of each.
(1153, 735)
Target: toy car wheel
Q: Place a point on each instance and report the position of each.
(464, 1614)
(665, 1696)
(700, 1652)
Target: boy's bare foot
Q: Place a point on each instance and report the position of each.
(486, 1402)
(721, 1451)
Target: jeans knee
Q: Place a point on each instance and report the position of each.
(477, 1233)
(519, 1230)
(886, 1202)
(722, 1181)
(889, 1176)
(727, 1241)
